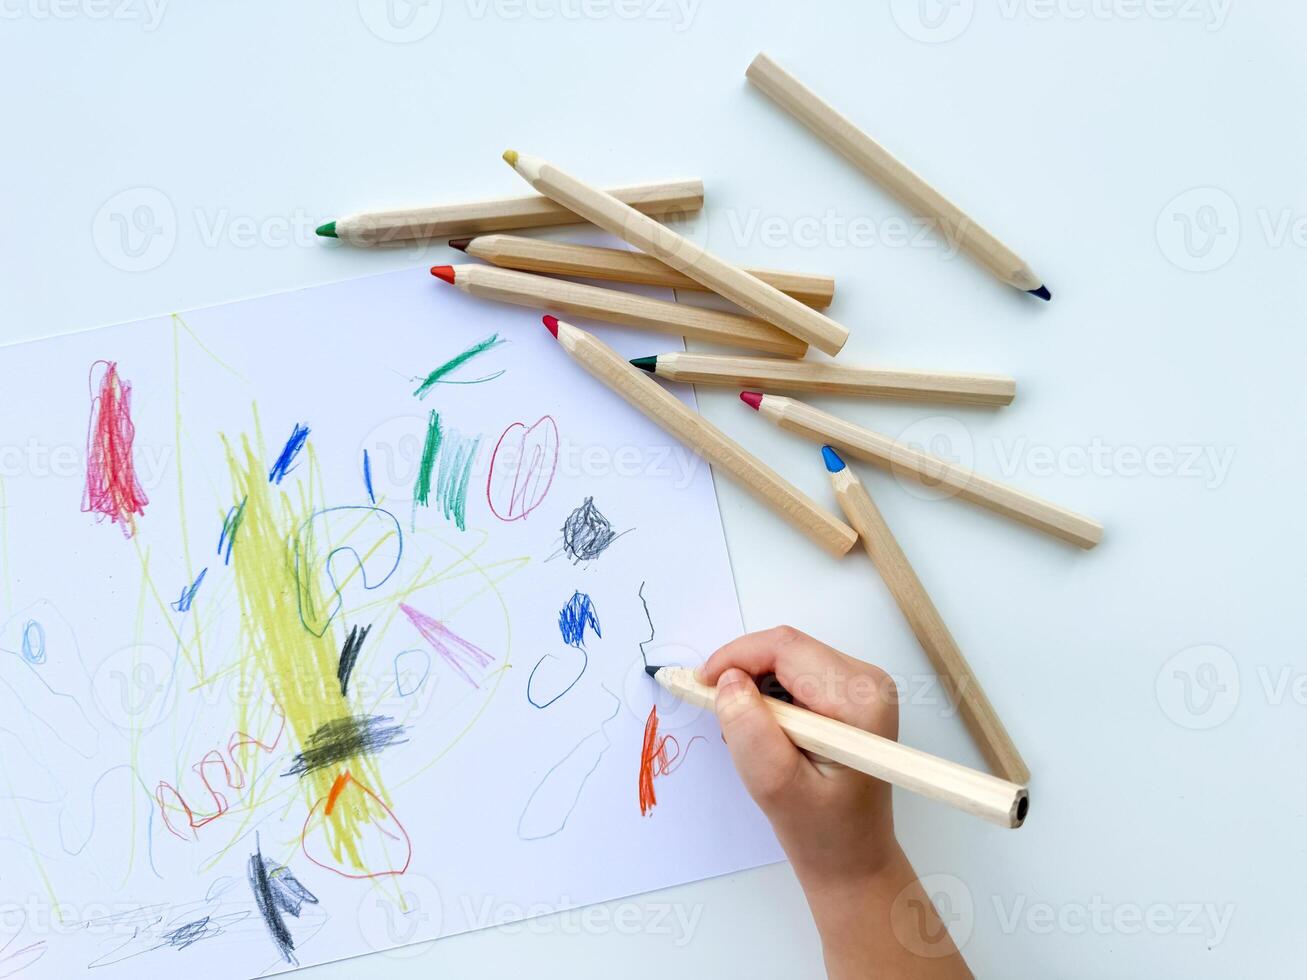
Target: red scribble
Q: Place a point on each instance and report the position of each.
(453, 649)
(209, 765)
(112, 489)
(345, 791)
(520, 478)
(657, 760)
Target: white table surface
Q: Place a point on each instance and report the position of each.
(1146, 156)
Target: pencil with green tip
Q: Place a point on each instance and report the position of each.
(959, 680)
(729, 281)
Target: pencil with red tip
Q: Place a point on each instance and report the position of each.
(664, 409)
(955, 673)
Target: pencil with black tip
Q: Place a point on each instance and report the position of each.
(723, 278)
(774, 374)
(822, 427)
(674, 197)
(978, 793)
(622, 265)
(664, 409)
(616, 306)
(892, 174)
(945, 656)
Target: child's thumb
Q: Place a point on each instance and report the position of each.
(763, 754)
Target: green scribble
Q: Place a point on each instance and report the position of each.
(454, 363)
(422, 490)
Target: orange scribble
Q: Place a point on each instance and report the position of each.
(656, 759)
(336, 789)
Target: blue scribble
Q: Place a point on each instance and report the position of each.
(575, 617)
(286, 461)
(404, 675)
(367, 476)
(34, 643)
(530, 681)
(183, 603)
(229, 527)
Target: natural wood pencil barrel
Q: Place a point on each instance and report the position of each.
(620, 265)
(614, 306)
(835, 379)
(704, 438)
(897, 178)
(501, 214)
(974, 792)
(823, 427)
(662, 243)
(945, 656)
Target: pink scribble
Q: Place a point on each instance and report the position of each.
(112, 489)
(522, 468)
(453, 649)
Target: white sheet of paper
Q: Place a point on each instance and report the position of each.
(147, 739)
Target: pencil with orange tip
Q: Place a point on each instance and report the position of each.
(616, 306)
(744, 290)
(822, 427)
(697, 433)
(945, 656)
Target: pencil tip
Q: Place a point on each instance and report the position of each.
(833, 462)
(649, 364)
(1042, 292)
(752, 398)
(651, 670)
(445, 272)
(460, 243)
(510, 157)
(551, 322)
(328, 230)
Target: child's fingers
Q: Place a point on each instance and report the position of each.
(818, 676)
(766, 759)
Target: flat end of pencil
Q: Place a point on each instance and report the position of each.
(510, 157)
(445, 272)
(1042, 292)
(460, 243)
(649, 364)
(551, 324)
(328, 230)
(752, 398)
(651, 670)
(832, 460)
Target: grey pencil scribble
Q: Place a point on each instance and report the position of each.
(587, 533)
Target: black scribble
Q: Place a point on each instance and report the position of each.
(278, 893)
(586, 533)
(349, 655)
(192, 933)
(345, 738)
(652, 632)
(150, 928)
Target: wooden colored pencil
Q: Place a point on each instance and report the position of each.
(773, 374)
(954, 672)
(620, 265)
(615, 306)
(502, 214)
(732, 282)
(700, 435)
(881, 166)
(969, 790)
(1022, 507)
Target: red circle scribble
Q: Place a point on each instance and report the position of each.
(520, 478)
(385, 826)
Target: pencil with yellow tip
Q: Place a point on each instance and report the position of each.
(729, 281)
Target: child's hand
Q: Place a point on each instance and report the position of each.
(836, 824)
